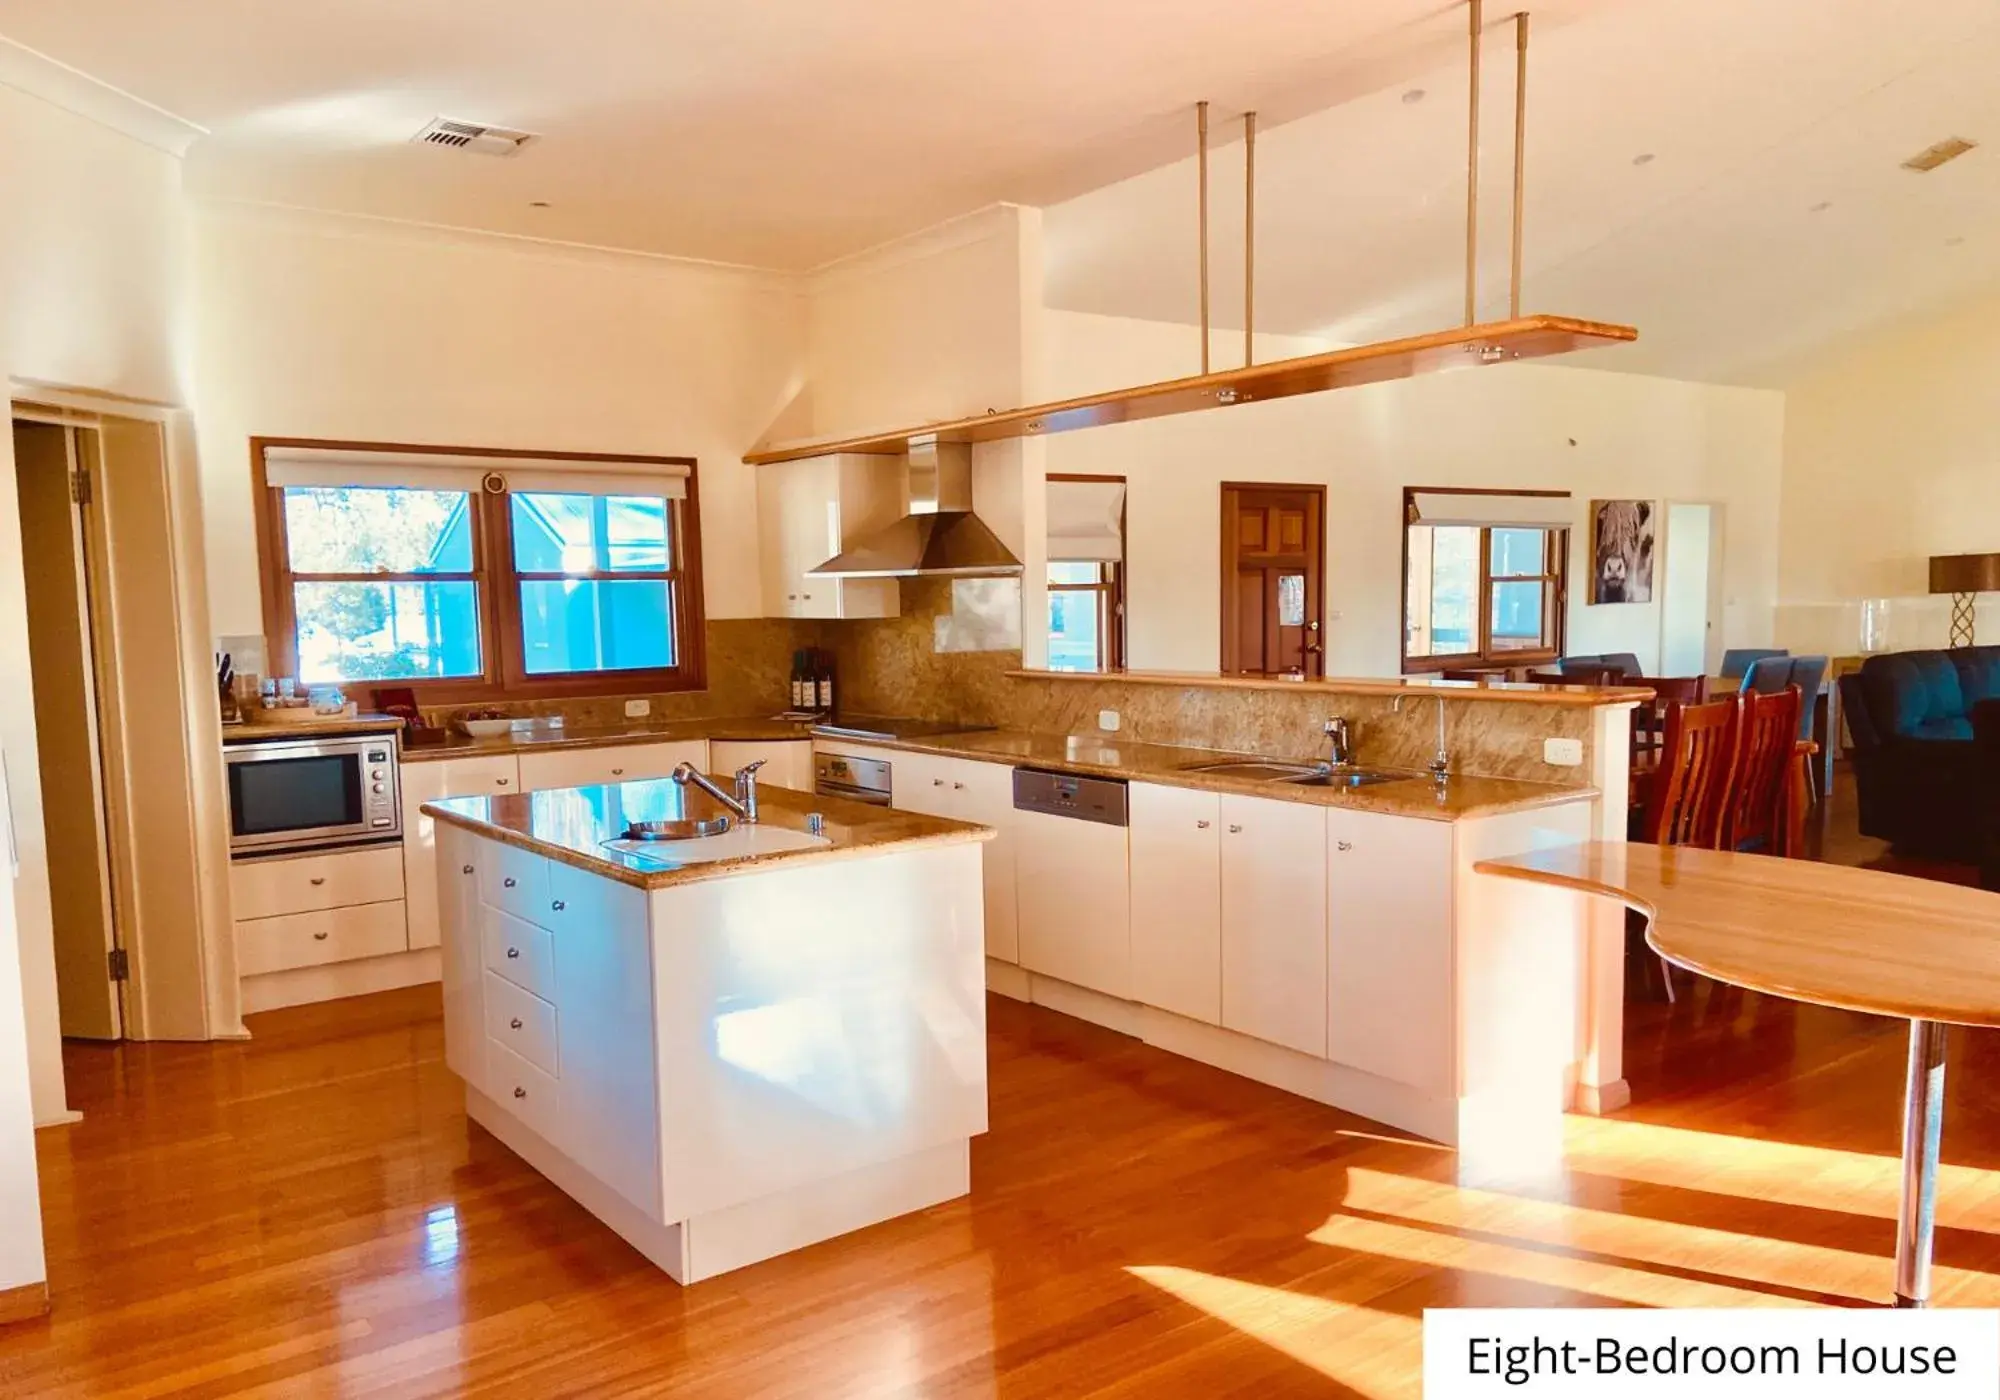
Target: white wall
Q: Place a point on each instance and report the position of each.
(313, 326)
(1593, 433)
(90, 295)
(1892, 454)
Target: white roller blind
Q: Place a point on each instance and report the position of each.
(445, 471)
(1087, 521)
(1450, 508)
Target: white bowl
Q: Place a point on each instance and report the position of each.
(486, 728)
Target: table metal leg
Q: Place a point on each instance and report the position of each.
(1923, 1127)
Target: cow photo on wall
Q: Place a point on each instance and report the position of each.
(1621, 551)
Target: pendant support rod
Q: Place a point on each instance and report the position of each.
(1520, 156)
(1476, 17)
(1201, 137)
(1249, 237)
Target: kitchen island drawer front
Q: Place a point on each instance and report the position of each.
(521, 952)
(619, 763)
(522, 1022)
(524, 1091)
(515, 882)
(265, 889)
(324, 936)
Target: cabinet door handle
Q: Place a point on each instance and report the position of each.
(320, 937)
(519, 1092)
(508, 882)
(513, 952)
(1343, 845)
(958, 787)
(1201, 826)
(937, 782)
(557, 905)
(618, 772)
(514, 1024)
(1233, 827)
(317, 880)
(501, 782)
(465, 870)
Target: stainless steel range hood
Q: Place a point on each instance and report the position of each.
(940, 537)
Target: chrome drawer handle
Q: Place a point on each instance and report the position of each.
(1343, 845)
(513, 952)
(937, 782)
(465, 870)
(519, 1092)
(515, 1024)
(1234, 827)
(558, 906)
(958, 787)
(317, 880)
(320, 937)
(1201, 826)
(508, 882)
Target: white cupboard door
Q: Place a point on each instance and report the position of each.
(1389, 962)
(917, 783)
(604, 1032)
(430, 782)
(788, 763)
(1274, 921)
(622, 763)
(458, 910)
(1075, 902)
(984, 793)
(1176, 837)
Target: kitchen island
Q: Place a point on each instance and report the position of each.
(726, 1048)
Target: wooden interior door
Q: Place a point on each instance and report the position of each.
(1273, 560)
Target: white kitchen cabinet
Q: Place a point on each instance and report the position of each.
(788, 763)
(464, 964)
(300, 884)
(969, 790)
(807, 512)
(1176, 842)
(315, 939)
(1074, 899)
(618, 763)
(1389, 960)
(427, 781)
(1274, 931)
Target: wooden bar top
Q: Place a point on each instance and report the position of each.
(1835, 935)
(1511, 692)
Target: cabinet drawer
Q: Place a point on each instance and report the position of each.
(264, 889)
(326, 936)
(515, 882)
(521, 953)
(522, 1022)
(524, 1091)
(622, 763)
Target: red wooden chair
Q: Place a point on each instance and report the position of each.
(1690, 792)
(1761, 806)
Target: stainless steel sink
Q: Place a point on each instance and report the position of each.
(1298, 774)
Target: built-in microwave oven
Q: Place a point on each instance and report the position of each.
(292, 795)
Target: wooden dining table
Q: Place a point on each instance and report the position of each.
(1861, 940)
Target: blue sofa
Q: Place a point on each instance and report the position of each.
(1916, 766)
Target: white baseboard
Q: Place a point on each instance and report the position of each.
(1008, 980)
(301, 985)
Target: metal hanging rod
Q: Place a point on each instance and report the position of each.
(1476, 15)
(1520, 155)
(1249, 237)
(1201, 138)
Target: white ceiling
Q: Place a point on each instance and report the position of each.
(788, 133)
(1754, 112)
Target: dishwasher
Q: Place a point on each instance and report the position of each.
(1073, 893)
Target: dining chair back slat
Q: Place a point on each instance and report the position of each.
(1757, 813)
(1697, 771)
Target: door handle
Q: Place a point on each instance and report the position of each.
(557, 905)
(320, 937)
(465, 870)
(958, 787)
(1233, 827)
(618, 772)
(500, 782)
(513, 952)
(508, 882)
(1343, 845)
(519, 1092)
(317, 880)
(514, 1024)
(1201, 826)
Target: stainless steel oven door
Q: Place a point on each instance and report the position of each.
(308, 793)
(856, 779)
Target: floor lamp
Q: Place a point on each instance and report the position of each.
(1964, 577)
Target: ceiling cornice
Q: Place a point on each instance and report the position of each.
(73, 90)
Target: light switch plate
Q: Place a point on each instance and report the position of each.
(1564, 753)
(637, 709)
(1108, 721)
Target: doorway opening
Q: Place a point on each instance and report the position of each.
(64, 546)
(1273, 567)
(1686, 610)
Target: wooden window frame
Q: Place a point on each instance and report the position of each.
(1554, 575)
(502, 646)
(1110, 587)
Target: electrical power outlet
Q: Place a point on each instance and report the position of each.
(639, 709)
(1108, 721)
(1564, 753)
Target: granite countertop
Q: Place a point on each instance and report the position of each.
(639, 731)
(1105, 756)
(248, 731)
(572, 824)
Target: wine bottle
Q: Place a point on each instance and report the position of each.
(799, 680)
(826, 681)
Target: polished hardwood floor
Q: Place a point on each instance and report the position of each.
(310, 1214)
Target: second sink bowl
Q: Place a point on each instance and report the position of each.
(1298, 774)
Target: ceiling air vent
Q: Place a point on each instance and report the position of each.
(470, 136)
(1931, 157)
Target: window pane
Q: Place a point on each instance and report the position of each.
(596, 625)
(1073, 630)
(1518, 552)
(1454, 589)
(568, 534)
(387, 631)
(1074, 572)
(377, 530)
(1517, 617)
(1291, 600)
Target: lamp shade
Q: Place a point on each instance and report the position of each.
(1965, 573)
